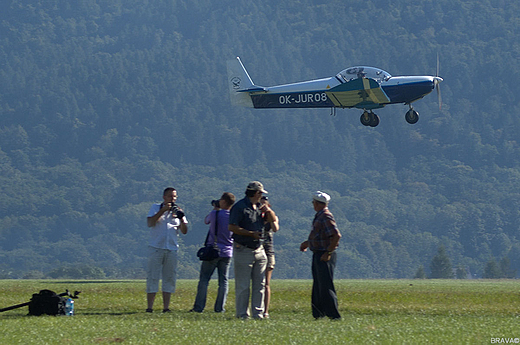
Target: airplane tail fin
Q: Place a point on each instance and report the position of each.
(239, 83)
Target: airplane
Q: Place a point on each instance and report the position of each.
(361, 87)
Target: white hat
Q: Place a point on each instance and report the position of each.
(321, 197)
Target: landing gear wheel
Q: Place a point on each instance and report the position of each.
(374, 121)
(411, 116)
(366, 119)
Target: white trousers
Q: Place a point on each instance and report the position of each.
(250, 267)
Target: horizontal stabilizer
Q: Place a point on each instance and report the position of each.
(254, 89)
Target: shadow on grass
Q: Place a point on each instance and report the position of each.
(17, 316)
(110, 313)
(92, 281)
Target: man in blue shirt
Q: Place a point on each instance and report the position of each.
(247, 225)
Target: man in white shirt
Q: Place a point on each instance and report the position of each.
(164, 220)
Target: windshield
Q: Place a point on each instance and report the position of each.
(361, 71)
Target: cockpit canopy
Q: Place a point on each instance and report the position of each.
(362, 71)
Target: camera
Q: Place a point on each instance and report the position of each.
(174, 209)
(215, 203)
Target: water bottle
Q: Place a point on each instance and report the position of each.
(69, 307)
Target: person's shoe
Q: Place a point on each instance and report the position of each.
(149, 310)
(166, 311)
(266, 315)
(194, 311)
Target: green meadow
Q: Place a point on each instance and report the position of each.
(373, 311)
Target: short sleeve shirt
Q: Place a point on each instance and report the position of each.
(245, 216)
(165, 232)
(224, 239)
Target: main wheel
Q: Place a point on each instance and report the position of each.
(411, 116)
(366, 119)
(374, 121)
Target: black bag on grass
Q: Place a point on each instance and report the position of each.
(47, 302)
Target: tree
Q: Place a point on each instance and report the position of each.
(441, 265)
(420, 274)
(502, 269)
(492, 270)
(79, 272)
(505, 267)
(461, 273)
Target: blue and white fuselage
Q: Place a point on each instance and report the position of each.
(360, 87)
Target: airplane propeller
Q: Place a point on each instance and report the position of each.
(436, 83)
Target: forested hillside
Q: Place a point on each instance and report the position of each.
(104, 103)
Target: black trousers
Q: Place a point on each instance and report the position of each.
(324, 299)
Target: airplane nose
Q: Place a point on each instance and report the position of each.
(438, 80)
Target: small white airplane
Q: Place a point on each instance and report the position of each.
(361, 87)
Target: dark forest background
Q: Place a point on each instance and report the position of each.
(104, 103)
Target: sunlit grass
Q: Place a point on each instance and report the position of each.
(373, 311)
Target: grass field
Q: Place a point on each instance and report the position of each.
(373, 312)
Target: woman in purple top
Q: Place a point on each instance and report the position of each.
(218, 219)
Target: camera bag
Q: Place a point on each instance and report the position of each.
(47, 302)
(210, 252)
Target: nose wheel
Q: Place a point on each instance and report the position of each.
(411, 116)
(369, 119)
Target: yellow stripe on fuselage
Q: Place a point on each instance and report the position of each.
(362, 93)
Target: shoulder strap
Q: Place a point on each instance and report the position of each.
(216, 231)
(216, 226)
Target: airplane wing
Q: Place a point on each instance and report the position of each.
(364, 93)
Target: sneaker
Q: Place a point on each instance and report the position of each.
(149, 310)
(266, 315)
(166, 311)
